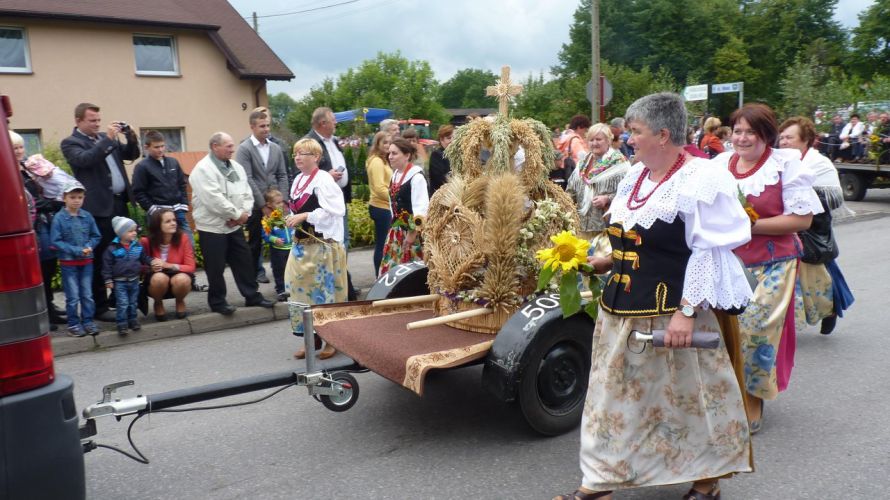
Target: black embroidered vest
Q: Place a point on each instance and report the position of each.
(310, 205)
(648, 269)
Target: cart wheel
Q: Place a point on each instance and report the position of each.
(554, 383)
(347, 399)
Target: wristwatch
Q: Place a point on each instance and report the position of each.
(688, 311)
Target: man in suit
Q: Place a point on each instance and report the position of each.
(97, 161)
(263, 161)
(333, 162)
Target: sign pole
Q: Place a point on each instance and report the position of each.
(596, 92)
(741, 94)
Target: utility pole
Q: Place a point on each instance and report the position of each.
(256, 26)
(595, 60)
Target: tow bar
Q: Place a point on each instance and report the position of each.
(333, 386)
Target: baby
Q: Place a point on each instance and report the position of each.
(48, 176)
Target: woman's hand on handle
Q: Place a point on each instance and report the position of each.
(679, 331)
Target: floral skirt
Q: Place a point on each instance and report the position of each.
(663, 416)
(315, 274)
(813, 295)
(768, 331)
(394, 251)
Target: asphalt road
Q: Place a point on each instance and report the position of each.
(826, 437)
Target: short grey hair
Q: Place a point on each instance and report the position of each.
(385, 124)
(217, 138)
(617, 122)
(662, 111)
(320, 115)
(600, 128)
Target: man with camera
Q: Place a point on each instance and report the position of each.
(96, 158)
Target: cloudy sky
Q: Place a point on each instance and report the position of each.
(450, 34)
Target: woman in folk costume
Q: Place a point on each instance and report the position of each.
(316, 266)
(779, 189)
(593, 183)
(410, 202)
(822, 290)
(659, 416)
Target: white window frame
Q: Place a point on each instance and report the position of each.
(32, 132)
(173, 48)
(165, 130)
(27, 68)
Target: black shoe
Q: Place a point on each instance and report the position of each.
(261, 302)
(828, 324)
(55, 319)
(225, 309)
(134, 325)
(262, 278)
(107, 316)
(283, 296)
(122, 330)
(53, 327)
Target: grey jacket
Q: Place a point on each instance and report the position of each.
(261, 178)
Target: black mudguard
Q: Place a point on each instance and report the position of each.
(404, 280)
(506, 360)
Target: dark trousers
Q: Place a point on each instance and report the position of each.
(382, 220)
(278, 257)
(100, 294)
(255, 241)
(48, 269)
(231, 249)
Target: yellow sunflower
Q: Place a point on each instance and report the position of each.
(568, 252)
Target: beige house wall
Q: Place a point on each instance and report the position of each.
(90, 62)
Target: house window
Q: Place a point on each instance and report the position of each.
(33, 145)
(14, 51)
(174, 138)
(155, 55)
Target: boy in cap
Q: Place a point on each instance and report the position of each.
(73, 235)
(121, 267)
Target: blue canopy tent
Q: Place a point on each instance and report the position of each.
(368, 115)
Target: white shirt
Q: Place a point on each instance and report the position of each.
(262, 148)
(705, 197)
(328, 218)
(851, 131)
(338, 162)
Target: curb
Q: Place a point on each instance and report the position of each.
(197, 324)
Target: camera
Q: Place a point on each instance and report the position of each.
(124, 127)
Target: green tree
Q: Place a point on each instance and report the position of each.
(871, 40)
(466, 89)
(390, 81)
(801, 88)
(777, 31)
(281, 105)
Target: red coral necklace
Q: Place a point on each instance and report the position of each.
(634, 201)
(734, 161)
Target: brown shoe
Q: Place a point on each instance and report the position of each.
(301, 352)
(327, 352)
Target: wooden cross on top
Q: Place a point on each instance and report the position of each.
(503, 90)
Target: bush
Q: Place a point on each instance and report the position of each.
(361, 192)
(53, 153)
(361, 227)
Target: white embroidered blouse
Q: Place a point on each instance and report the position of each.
(328, 218)
(798, 196)
(705, 197)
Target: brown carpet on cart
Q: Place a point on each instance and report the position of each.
(385, 346)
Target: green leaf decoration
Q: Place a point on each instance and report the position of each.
(544, 277)
(569, 295)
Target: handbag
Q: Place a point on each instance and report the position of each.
(818, 247)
